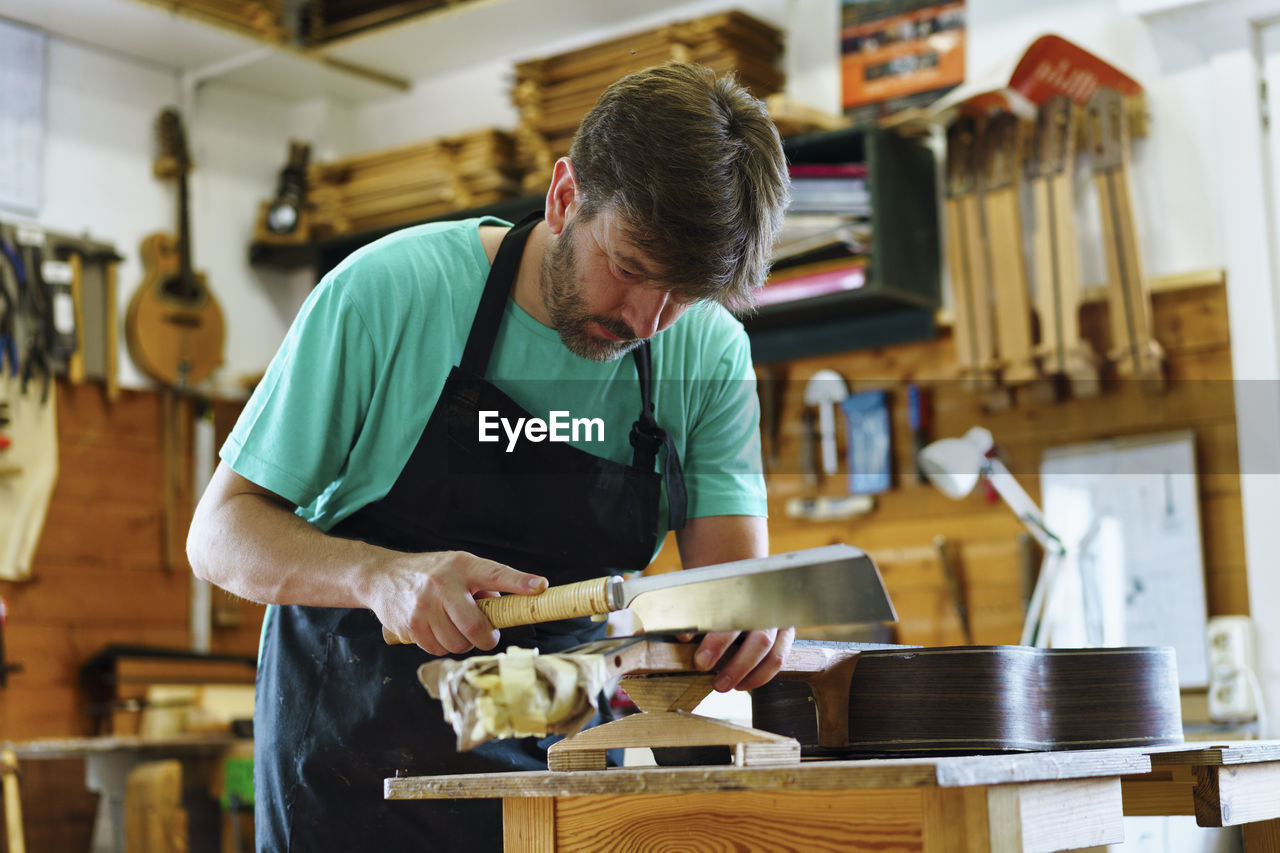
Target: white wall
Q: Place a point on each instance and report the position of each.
(99, 145)
(101, 109)
(1172, 183)
(478, 95)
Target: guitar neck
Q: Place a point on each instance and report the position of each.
(184, 229)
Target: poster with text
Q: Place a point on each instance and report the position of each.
(897, 54)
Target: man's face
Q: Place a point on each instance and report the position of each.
(600, 291)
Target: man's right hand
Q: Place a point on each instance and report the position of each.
(247, 540)
(430, 598)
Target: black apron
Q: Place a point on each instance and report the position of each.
(337, 710)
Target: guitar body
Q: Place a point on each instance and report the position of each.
(174, 326)
(977, 699)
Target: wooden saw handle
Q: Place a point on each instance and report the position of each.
(584, 598)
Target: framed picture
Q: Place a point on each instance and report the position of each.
(1128, 511)
(870, 455)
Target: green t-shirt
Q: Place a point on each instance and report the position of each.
(344, 401)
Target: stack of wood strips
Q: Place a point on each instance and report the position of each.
(793, 117)
(332, 19)
(262, 19)
(554, 93)
(410, 183)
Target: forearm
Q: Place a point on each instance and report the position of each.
(247, 540)
(253, 545)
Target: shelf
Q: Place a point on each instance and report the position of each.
(480, 31)
(161, 37)
(897, 304)
(902, 293)
(363, 66)
(326, 254)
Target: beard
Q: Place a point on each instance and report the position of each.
(563, 299)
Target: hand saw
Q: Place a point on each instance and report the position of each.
(831, 585)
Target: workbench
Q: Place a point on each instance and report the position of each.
(108, 760)
(1027, 802)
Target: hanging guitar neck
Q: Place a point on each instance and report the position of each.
(174, 326)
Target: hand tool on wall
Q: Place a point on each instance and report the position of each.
(809, 446)
(831, 585)
(1134, 349)
(5, 666)
(946, 558)
(1055, 267)
(34, 308)
(824, 391)
(869, 445)
(8, 333)
(75, 361)
(111, 323)
(920, 424)
(63, 319)
(771, 380)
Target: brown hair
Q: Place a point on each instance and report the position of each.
(694, 166)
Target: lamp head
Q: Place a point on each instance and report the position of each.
(954, 465)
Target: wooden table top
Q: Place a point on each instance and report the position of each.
(946, 772)
(77, 747)
(1218, 755)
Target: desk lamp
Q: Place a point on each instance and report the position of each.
(954, 466)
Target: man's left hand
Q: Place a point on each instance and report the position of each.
(749, 664)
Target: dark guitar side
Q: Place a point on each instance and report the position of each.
(975, 699)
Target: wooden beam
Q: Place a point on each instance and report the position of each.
(1239, 794)
(1160, 793)
(1263, 837)
(1038, 816)
(836, 822)
(954, 820)
(528, 825)
(12, 802)
(1045, 816)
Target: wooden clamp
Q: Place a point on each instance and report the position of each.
(967, 259)
(1001, 161)
(1055, 265)
(1134, 349)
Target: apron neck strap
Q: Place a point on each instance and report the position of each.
(648, 438)
(497, 287)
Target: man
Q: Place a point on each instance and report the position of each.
(368, 484)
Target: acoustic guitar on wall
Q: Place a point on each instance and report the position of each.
(174, 327)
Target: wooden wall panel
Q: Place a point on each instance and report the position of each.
(1190, 323)
(99, 575)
